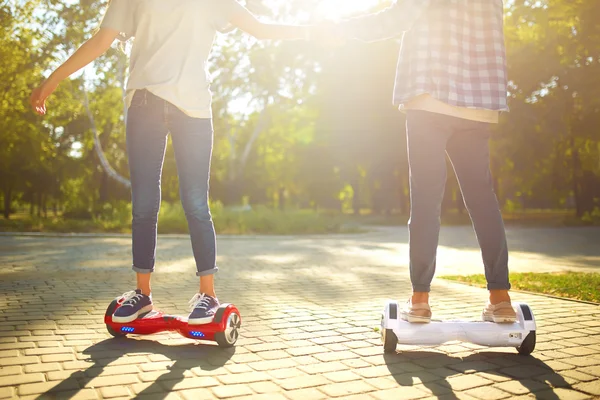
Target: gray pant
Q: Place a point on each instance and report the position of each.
(430, 137)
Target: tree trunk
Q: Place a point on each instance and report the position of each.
(356, 198)
(281, 198)
(39, 205)
(31, 203)
(460, 202)
(576, 165)
(7, 202)
(44, 205)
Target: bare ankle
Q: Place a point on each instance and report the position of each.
(499, 296)
(420, 297)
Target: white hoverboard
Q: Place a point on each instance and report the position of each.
(520, 334)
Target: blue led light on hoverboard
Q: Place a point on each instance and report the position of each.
(196, 334)
(127, 329)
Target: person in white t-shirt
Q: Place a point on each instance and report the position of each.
(168, 92)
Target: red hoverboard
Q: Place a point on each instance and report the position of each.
(224, 329)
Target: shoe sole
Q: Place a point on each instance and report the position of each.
(132, 317)
(413, 319)
(200, 321)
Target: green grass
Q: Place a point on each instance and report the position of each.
(572, 285)
(525, 218)
(260, 220)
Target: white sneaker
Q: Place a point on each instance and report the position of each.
(501, 313)
(416, 313)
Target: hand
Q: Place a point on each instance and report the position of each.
(328, 33)
(40, 94)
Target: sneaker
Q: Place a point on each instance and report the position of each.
(416, 313)
(500, 313)
(133, 304)
(203, 309)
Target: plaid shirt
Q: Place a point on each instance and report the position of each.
(451, 49)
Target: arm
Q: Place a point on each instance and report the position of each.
(388, 23)
(243, 19)
(88, 52)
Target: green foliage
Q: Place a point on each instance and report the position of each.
(259, 220)
(297, 125)
(574, 285)
(171, 220)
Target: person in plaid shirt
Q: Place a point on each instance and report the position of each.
(451, 82)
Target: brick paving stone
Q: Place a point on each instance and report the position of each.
(578, 375)
(464, 382)
(244, 377)
(522, 386)
(286, 373)
(273, 355)
(159, 396)
(40, 388)
(264, 387)
(487, 393)
(305, 394)
(585, 361)
(595, 371)
(302, 338)
(356, 363)
(473, 367)
(60, 375)
(405, 393)
(560, 393)
(41, 367)
(382, 383)
(319, 368)
(12, 370)
(592, 388)
(346, 388)
(114, 391)
(196, 394)
(335, 356)
(235, 369)
(264, 396)
(22, 360)
(146, 387)
(7, 393)
(524, 371)
(112, 381)
(581, 351)
(51, 350)
(302, 382)
(223, 392)
(192, 383)
(82, 394)
(57, 358)
(9, 353)
(341, 376)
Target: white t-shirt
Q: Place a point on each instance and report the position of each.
(173, 40)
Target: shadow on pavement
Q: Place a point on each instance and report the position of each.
(437, 367)
(102, 354)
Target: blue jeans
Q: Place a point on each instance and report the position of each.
(150, 120)
(430, 137)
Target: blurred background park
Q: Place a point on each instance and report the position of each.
(306, 137)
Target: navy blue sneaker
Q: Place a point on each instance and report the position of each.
(133, 305)
(203, 309)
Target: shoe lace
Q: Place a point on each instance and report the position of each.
(199, 300)
(130, 298)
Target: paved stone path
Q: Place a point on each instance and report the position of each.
(309, 308)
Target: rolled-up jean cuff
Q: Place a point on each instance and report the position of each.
(142, 270)
(421, 288)
(208, 272)
(498, 286)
